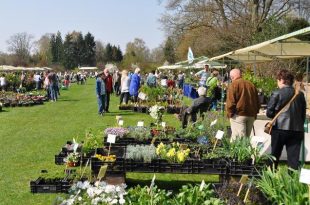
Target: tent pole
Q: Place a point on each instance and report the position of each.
(306, 122)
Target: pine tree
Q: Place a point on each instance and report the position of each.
(119, 55)
(53, 48)
(59, 48)
(108, 53)
(90, 50)
(169, 51)
(69, 61)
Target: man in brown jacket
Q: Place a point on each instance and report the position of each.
(242, 105)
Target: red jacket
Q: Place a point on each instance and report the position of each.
(109, 84)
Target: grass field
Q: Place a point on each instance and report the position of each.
(31, 136)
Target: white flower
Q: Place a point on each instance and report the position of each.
(90, 192)
(97, 191)
(121, 201)
(80, 198)
(109, 188)
(118, 189)
(114, 201)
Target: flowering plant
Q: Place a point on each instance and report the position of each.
(156, 113)
(100, 193)
(174, 153)
(73, 157)
(110, 158)
(118, 131)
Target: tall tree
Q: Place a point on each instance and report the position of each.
(90, 50)
(100, 52)
(20, 45)
(108, 53)
(69, 60)
(59, 48)
(44, 50)
(169, 51)
(119, 54)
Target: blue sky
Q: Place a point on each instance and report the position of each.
(113, 21)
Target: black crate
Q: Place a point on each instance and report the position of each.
(238, 169)
(131, 165)
(57, 186)
(113, 167)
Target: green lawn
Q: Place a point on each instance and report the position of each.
(31, 136)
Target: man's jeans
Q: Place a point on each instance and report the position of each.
(101, 103)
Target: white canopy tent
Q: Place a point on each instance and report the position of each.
(170, 67)
(13, 68)
(88, 68)
(283, 47)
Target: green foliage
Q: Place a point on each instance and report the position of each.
(169, 51)
(190, 194)
(140, 133)
(141, 152)
(266, 84)
(147, 196)
(92, 141)
(282, 186)
(153, 94)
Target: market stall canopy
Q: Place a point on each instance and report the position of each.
(185, 63)
(88, 68)
(170, 67)
(13, 68)
(283, 47)
(212, 64)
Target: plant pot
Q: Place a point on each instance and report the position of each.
(71, 164)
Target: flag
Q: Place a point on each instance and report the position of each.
(190, 56)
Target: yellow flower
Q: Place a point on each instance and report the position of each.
(171, 152)
(180, 157)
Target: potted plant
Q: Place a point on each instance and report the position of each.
(72, 159)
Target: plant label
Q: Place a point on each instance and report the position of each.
(304, 176)
(244, 179)
(163, 124)
(219, 134)
(111, 138)
(213, 123)
(142, 96)
(140, 124)
(202, 185)
(121, 122)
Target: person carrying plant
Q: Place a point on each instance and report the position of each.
(242, 105)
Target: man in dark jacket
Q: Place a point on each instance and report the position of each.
(199, 105)
(288, 129)
(108, 87)
(242, 105)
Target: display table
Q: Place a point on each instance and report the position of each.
(190, 91)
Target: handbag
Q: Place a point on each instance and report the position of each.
(268, 125)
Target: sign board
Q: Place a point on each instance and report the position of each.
(140, 124)
(121, 122)
(111, 138)
(219, 134)
(304, 176)
(163, 124)
(213, 123)
(142, 96)
(202, 185)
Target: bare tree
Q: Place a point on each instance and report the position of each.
(20, 45)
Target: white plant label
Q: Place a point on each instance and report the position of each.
(305, 176)
(213, 123)
(111, 138)
(140, 124)
(202, 185)
(258, 139)
(142, 96)
(121, 122)
(163, 124)
(219, 134)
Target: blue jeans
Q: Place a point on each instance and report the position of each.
(101, 103)
(53, 92)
